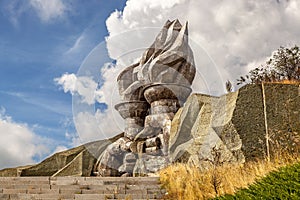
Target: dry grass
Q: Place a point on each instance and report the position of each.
(286, 81)
(188, 182)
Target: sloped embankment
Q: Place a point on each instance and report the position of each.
(281, 184)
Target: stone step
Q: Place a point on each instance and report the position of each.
(77, 181)
(14, 185)
(24, 180)
(43, 188)
(78, 196)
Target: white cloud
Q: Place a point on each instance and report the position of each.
(228, 39)
(88, 89)
(49, 10)
(109, 90)
(60, 149)
(84, 86)
(100, 125)
(68, 82)
(19, 145)
(233, 33)
(14, 9)
(76, 46)
(46, 10)
(92, 125)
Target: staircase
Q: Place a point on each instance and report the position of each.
(81, 188)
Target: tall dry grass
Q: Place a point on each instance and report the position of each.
(286, 81)
(186, 182)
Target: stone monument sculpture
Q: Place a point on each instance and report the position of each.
(151, 91)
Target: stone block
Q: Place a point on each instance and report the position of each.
(69, 191)
(75, 187)
(164, 106)
(141, 191)
(93, 191)
(153, 151)
(41, 196)
(93, 181)
(130, 158)
(13, 191)
(66, 180)
(130, 196)
(143, 187)
(93, 196)
(127, 167)
(4, 196)
(43, 191)
(158, 120)
(15, 185)
(153, 142)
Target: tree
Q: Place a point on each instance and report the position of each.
(283, 65)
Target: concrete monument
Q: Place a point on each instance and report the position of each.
(152, 91)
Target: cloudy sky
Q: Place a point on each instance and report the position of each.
(59, 60)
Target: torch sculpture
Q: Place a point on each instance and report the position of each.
(152, 91)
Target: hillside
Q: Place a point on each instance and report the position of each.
(281, 184)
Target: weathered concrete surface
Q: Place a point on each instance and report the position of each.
(233, 125)
(77, 161)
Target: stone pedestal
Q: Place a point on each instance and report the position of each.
(165, 100)
(134, 113)
(166, 93)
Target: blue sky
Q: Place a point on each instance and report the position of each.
(35, 49)
(44, 43)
